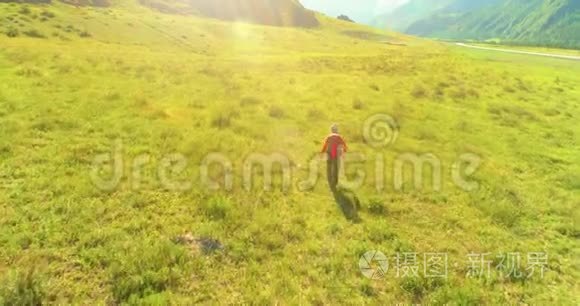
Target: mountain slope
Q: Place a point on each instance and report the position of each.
(544, 22)
(414, 10)
(80, 3)
(447, 16)
(268, 12)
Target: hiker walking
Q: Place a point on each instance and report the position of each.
(334, 146)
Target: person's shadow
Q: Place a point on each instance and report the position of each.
(348, 202)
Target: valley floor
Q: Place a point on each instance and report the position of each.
(518, 51)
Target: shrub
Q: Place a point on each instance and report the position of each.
(509, 89)
(28, 72)
(112, 96)
(379, 232)
(552, 112)
(570, 181)
(419, 92)
(47, 14)
(504, 213)
(357, 104)
(271, 240)
(84, 34)
(25, 10)
(368, 290)
(466, 295)
(217, 208)
(522, 113)
(473, 93)
(494, 110)
(142, 100)
(147, 271)
(459, 94)
(344, 18)
(221, 121)
(316, 114)
(247, 101)
(34, 34)
(375, 87)
(414, 286)
(438, 93)
(377, 207)
(276, 112)
(69, 28)
(22, 288)
(12, 32)
(443, 85)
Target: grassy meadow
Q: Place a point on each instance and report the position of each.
(76, 83)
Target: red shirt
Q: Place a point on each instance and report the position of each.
(332, 144)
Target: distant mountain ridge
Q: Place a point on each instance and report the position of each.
(402, 17)
(267, 12)
(537, 22)
(450, 16)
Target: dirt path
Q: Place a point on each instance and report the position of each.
(561, 56)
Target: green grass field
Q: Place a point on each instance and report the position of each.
(76, 84)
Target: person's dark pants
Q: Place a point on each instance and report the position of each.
(332, 172)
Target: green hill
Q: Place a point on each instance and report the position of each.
(268, 12)
(115, 121)
(404, 16)
(536, 22)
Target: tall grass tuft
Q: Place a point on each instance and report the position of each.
(149, 270)
(217, 208)
(22, 288)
